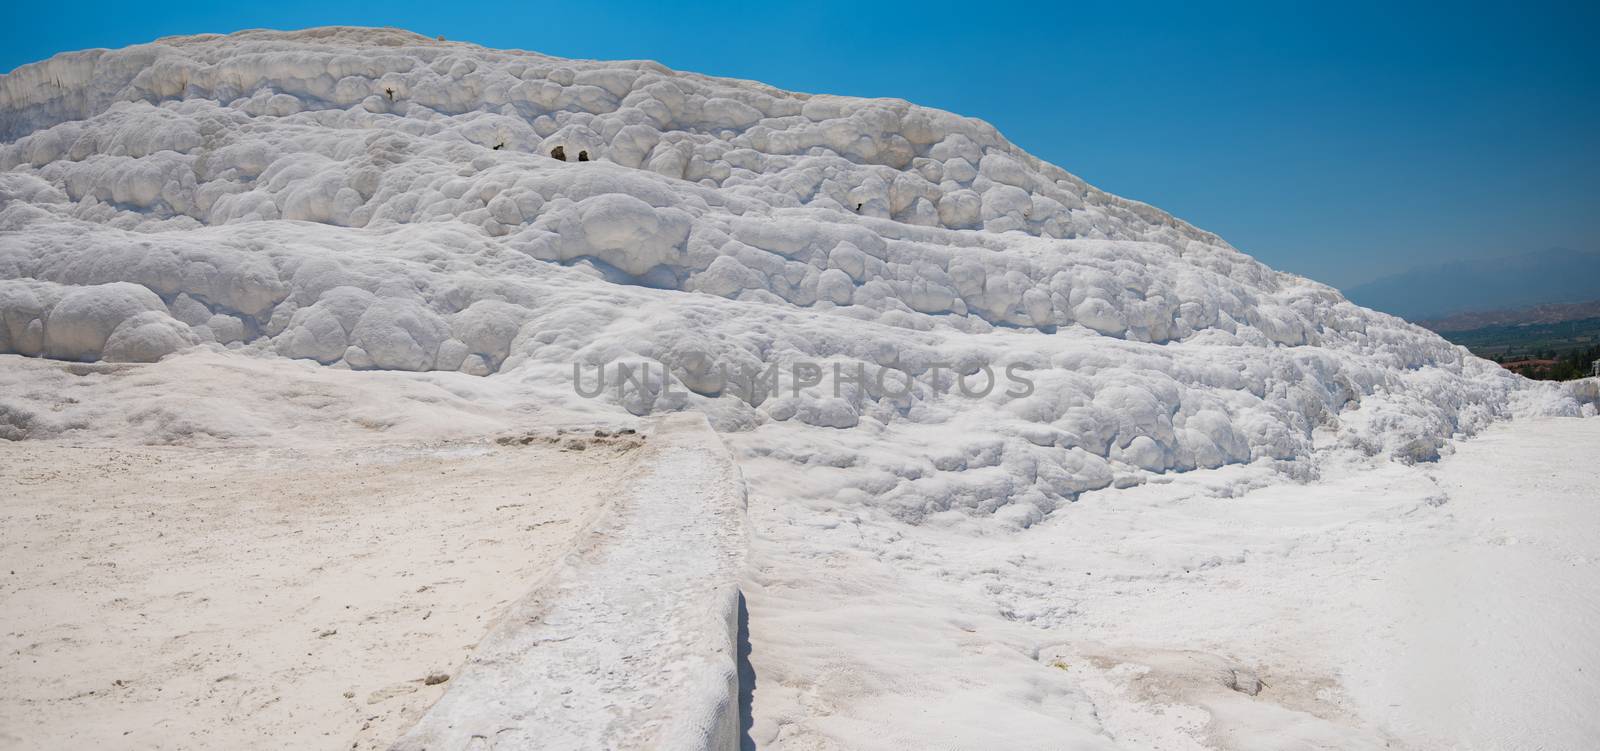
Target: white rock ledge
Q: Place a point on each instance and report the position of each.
(632, 642)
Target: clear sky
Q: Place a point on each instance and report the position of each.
(1342, 141)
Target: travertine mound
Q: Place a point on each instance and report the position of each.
(373, 199)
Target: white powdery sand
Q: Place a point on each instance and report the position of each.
(295, 596)
(1436, 606)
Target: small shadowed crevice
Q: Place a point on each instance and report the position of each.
(747, 680)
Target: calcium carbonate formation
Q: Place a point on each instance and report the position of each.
(374, 199)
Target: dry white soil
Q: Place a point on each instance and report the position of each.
(286, 593)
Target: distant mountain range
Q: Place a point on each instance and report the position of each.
(1538, 314)
(1488, 284)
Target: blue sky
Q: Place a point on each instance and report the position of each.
(1341, 142)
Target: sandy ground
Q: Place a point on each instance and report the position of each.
(178, 596)
(264, 597)
(1449, 605)
(1487, 634)
(632, 643)
(1439, 606)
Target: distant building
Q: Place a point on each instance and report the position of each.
(1594, 369)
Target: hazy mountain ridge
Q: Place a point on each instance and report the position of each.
(1488, 284)
(1548, 313)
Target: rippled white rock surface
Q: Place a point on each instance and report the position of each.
(374, 199)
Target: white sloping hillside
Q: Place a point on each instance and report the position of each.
(377, 200)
